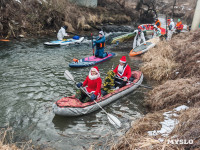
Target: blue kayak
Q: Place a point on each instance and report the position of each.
(89, 61)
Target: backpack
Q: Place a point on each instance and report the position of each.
(76, 37)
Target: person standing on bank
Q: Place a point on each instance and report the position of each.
(171, 30)
(123, 73)
(100, 44)
(62, 33)
(93, 83)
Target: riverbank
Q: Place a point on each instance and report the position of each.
(45, 17)
(173, 120)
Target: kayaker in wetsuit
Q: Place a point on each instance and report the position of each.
(123, 73)
(137, 39)
(62, 33)
(100, 44)
(93, 83)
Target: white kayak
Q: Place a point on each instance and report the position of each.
(64, 42)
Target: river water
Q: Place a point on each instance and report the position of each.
(31, 80)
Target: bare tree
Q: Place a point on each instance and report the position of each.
(147, 8)
(173, 8)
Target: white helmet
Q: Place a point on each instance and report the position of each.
(101, 32)
(155, 26)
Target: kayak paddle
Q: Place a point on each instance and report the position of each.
(148, 87)
(4, 40)
(92, 44)
(112, 119)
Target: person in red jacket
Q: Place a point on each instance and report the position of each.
(123, 73)
(93, 83)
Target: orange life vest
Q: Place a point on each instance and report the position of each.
(100, 45)
(179, 26)
(158, 23)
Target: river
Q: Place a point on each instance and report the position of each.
(31, 80)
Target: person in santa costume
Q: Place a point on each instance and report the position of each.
(93, 83)
(123, 73)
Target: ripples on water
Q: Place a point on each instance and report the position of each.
(31, 80)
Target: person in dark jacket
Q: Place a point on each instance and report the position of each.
(100, 44)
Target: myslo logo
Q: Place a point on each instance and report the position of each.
(179, 141)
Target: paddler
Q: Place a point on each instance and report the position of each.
(62, 33)
(123, 73)
(137, 39)
(100, 44)
(93, 83)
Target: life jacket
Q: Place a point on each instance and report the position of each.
(158, 23)
(168, 21)
(179, 26)
(100, 45)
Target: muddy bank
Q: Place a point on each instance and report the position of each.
(46, 17)
(173, 104)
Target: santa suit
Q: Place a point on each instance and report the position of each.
(124, 73)
(93, 84)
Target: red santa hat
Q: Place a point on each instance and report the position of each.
(96, 69)
(123, 59)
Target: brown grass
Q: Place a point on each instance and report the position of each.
(187, 53)
(188, 127)
(173, 93)
(137, 137)
(159, 62)
(5, 136)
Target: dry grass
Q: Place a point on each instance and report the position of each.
(187, 53)
(188, 127)
(173, 93)
(138, 138)
(159, 62)
(5, 136)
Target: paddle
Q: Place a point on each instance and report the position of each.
(4, 40)
(148, 87)
(112, 119)
(74, 33)
(92, 44)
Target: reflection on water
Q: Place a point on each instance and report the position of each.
(31, 80)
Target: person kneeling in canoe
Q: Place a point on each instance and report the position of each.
(100, 44)
(123, 73)
(93, 83)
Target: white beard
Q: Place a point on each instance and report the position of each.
(120, 68)
(93, 77)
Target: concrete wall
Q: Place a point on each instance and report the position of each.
(87, 3)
